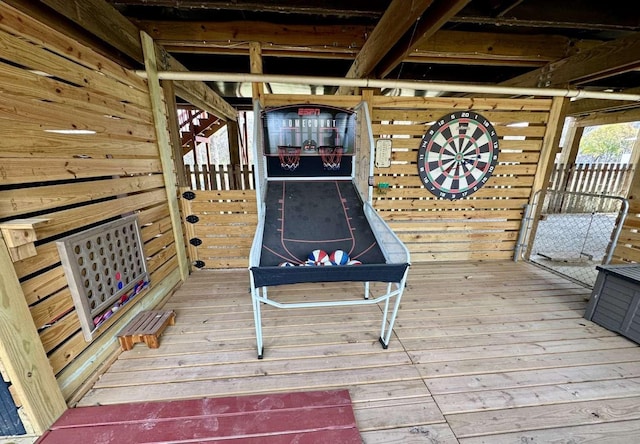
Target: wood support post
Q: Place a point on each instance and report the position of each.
(255, 60)
(551, 140)
(635, 152)
(22, 353)
(234, 147)
(569, 151)
(572, 143)
(162, 135)
(174, 131)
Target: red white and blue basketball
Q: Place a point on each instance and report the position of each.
(354, 262)
(286, 264)
(319, 257)
(339, 257)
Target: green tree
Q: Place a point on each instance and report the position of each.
(607, 142)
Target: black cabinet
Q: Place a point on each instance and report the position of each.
(615, 300)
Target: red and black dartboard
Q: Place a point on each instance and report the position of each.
(458, 155)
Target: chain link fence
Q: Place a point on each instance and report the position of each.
(574, 232)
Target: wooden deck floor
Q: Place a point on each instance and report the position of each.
(482, 353)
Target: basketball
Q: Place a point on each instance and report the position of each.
(319, 257)
(286, 264)
(354, 262)
(339, 257)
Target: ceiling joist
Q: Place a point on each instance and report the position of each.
(435, 17)
(396, 22)
(335, 8)
(605, 60)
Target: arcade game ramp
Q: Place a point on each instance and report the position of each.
(307, 215)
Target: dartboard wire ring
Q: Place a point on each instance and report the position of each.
(457, 147)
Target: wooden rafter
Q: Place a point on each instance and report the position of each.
(484, 48)
(588, 106)
(337, 8)
(219, 34)
(437, 15)
(605, 60)
(396, 21)
(344, 42)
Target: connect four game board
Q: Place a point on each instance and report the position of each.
(105, 267)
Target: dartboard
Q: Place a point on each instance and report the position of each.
(458, 155)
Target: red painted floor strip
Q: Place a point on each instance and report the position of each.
(301, 417)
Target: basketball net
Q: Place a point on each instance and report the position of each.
(289, 157)
(331, 157)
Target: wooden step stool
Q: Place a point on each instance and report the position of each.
(146, 327)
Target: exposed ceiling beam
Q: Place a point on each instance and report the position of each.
(509, 22)
(231, 33)
(589, 106)
(436, 16)
(396, 21)
(344, 42)
(605, 60)
(336, 8)
(484, 48)
(607, 118)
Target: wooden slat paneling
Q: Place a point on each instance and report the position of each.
(442, 230)
(48, 81)
(225, 229)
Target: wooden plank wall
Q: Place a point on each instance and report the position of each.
(222, 230)
(483, 226)
(227, 219)
(628, 247)
(49, 82)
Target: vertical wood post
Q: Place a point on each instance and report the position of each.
(174, 131)
(570, 151)
(234, 146)
(162, 135)
(255, 61)
(551, 140)
(572, 143)
(22, 353)
(635, 152)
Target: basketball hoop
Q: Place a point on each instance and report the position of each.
(289, 157)
(331, 157)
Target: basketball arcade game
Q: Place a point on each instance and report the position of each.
(313, 170)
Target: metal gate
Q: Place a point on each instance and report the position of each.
(570, 233)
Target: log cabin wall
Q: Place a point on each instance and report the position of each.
(49, 82)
